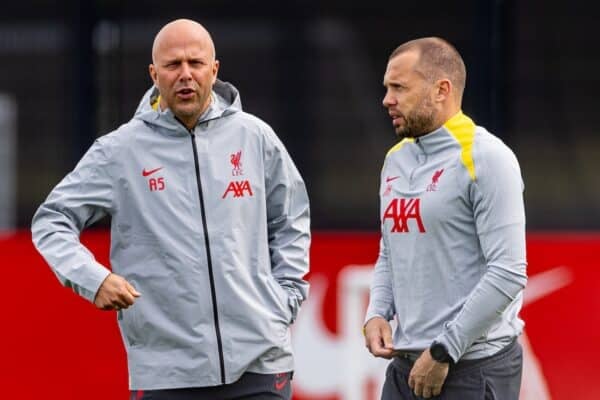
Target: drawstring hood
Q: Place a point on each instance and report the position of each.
(225, 101)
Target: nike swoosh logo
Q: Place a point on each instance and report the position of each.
(146, 173)
(391, 178)
(279, 385)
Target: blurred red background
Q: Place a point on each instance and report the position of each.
(56, 345)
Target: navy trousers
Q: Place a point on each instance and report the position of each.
(497, 377)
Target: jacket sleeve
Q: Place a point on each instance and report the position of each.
(381, 298)
(80, 199)
(498, 209)
(288, 222)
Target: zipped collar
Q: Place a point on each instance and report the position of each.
(445, 136)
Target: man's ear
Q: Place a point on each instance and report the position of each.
(443, 89)
(215, 71)
(153, 74)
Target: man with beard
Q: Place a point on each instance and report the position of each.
(451, 267)
(209, 234)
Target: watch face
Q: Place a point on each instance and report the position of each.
(438, 352)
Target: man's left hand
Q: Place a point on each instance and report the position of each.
(427, 376)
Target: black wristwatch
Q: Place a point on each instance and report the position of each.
(439, 352)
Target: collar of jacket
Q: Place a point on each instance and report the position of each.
(226, 101)
(456, 130)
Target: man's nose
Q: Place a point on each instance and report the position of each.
(387, 100)
(186, 73)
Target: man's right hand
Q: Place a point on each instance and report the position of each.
(378, 337)
(115, 293)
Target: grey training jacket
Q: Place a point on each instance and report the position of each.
(211, 226)
(452, 261)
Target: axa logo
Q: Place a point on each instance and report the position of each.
(156, 183)
(432, 187)
(236, 161)
(238, 189)
(400, 211)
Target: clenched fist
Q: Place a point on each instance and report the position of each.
(115, 293)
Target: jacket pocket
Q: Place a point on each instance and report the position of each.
(130, 326)
(282, 297)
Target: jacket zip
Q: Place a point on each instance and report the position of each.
(209, 259)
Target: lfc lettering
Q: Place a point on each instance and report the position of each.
(400, 211)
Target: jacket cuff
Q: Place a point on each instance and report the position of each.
(372, 314)
(94, 278)
(453, 351)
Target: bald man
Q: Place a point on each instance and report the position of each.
(451, 267)
(209, 234)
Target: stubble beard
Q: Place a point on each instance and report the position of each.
(419, 122)
(189, 112)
